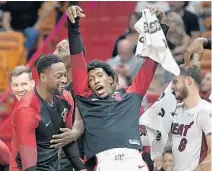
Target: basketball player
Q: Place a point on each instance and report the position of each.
(191, 127)
(110, 117)
(40, 114)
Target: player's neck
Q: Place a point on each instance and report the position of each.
(44, 94)
(191, 101)
(69, 76)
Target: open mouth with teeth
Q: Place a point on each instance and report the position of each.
(100, 90)
(61, 88)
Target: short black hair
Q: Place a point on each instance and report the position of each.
(101, 64)
(194, 72)
(46, 61)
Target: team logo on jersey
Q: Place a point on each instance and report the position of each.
(64, 114)
(181, 129)
(117, 96)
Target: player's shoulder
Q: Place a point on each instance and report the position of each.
(204, 109)
(205, 106)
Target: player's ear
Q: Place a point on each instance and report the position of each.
(43, 77)
(111, 80)
(189, 80)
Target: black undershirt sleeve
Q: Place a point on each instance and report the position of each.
(208, 46)
(72, 152)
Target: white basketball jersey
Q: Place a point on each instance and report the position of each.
(188, 130)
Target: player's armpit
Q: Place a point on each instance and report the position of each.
(143, 78)
(26, 122)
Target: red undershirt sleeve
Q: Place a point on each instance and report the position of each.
(26, 122)
(143, 78)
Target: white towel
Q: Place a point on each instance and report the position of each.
(159, 117)
(152, 42)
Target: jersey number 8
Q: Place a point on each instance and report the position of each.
(182, 145)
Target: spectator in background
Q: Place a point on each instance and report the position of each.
(190, 20)
(177, 38)
(61, 7)
(160, 5)
(168, 161)
(131, 34)
(160, 80)
(125, 63)
(202, 10)
(1, 14)
(158, 163)
(23, 16)
(205, 88)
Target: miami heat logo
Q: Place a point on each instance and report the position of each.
(117, 96)
(64, 114)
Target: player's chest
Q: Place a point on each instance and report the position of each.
(185, 125)
(52, 118)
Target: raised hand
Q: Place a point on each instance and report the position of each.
(159, 14)
(196, 48)
(73, 12)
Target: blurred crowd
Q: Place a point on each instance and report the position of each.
(184, 18)
(186, 22)
(27, 17)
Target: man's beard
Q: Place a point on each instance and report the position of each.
(183, 93)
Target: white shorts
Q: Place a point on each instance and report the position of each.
(120, 159)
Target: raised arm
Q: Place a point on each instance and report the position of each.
(196, 47)
(143, 78)
(145, 75)
(26, 122)
(79, 68)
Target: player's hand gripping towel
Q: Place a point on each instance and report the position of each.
(152, 42)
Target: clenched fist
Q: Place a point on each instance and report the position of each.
(74, 12)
